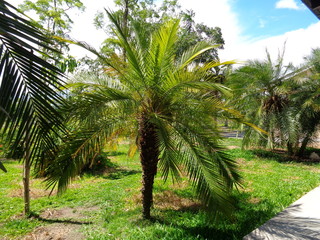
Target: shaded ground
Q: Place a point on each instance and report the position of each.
(281, 155)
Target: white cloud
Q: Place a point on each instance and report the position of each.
(290, 4)
(298, 45)
(217, 14)
(262, 23)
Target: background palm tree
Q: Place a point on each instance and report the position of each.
(29, 95)
(305, 90)
(281, 99)
(164, 104)
(262, 95)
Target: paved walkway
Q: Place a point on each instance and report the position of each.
(301, 220)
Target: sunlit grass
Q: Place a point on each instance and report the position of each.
(269, 185)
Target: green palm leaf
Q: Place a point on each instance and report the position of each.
(29, 85)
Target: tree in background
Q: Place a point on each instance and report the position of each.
(53, 16)
(29, 91)
(147, 16)
(192, 33)
(163, 105)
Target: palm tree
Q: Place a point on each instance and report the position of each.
(262, 95)
(165, 105)
(304, 96)
(29, 96)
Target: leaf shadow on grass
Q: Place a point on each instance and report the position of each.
(112, 173)
(268, 154)
(247, 217)
(116, 153)
(118, 173)
(281, 156)
(67, 221)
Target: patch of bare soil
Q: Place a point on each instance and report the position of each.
(78, 213)
(290, 178)
(232, 147)
(34, 193)
(248, 171)
(170, 200)
(315, 170)
(241, 161)
(248, 187)
(20, 166)
(254, 200)
(65, 224)
(37, 192)
(56, 231)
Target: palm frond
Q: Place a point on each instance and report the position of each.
(132, 55)
(211, 171)
(190, 145)
(29, 90)
(170, 157)
(194, 52)
(79, 148)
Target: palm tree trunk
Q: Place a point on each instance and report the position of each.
(125, 25)
(26, 186)
(303, 146)
(290, 148)
(26, 173)
(149, 157)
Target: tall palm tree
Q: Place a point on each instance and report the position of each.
(29, 96)
(165, 105)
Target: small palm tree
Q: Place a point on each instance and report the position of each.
(165, 105)
(29, 96)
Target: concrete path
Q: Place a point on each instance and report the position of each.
(301, 220)
(230, 133)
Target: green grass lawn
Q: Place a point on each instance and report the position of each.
(114, 209)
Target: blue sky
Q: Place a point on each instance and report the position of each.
(262, 18)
